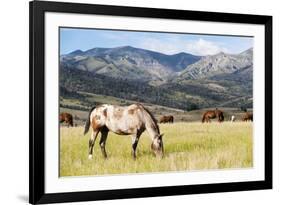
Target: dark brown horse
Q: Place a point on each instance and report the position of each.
(167, 119)
(67, 118)
(248, 116)
(211, 114)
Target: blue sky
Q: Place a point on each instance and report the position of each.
(168, 43)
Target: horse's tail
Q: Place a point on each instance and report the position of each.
(87, 125)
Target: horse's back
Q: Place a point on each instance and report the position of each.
(210, 113)
(119, 119)
(115, 111)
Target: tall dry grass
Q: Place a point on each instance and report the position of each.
(188, 146)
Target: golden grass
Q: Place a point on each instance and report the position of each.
(187, 146)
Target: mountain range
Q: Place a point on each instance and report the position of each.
(214, 80)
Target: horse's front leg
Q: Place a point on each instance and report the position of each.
(92, 142)
(135, 140)
(104, 133)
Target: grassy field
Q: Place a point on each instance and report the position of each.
(187, 146)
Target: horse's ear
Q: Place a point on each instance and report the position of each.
(160, 136)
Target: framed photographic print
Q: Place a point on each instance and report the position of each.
(140, 102)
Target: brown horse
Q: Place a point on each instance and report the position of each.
(167, 119)
(248, 116)
(67, 118)
(211, 114)
(130, 120)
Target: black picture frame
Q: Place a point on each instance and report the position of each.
(37, 128)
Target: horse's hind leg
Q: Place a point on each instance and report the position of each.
(104, 133)
(92, 142)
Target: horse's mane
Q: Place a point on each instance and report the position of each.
(152, 117)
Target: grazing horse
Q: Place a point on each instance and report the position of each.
(67, 118)
(248, 116)
(211, 114)
(167, 119)
(130, 120)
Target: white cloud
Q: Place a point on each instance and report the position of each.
(167, 46)
(203, 47)
(176, 45)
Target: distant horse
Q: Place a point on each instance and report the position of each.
(130, 120)
(167, 119)
(232, 118)
(248, 116)
(67, 118)
(211, 114)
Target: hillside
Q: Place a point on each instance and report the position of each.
(221, 63)
(129, 63)
(181, 81)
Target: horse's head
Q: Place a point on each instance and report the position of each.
(157, 146)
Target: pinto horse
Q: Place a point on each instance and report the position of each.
(67, 118)
(130, 120)
(211, 114)
(165, 119)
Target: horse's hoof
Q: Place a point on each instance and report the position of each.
(90, 156)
